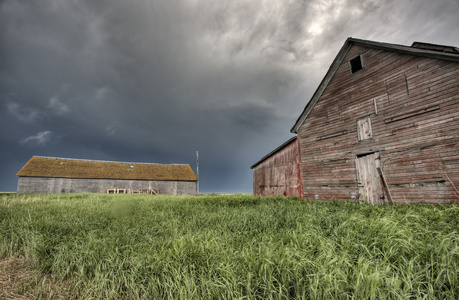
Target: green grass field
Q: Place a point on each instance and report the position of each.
(234, 246)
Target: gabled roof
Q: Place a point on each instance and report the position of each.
(274, 151)
(39, 166)
(417, 48)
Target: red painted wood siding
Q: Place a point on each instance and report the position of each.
(279, 174)
(415, 128)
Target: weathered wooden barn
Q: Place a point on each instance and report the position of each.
(279, 172)
(383, 125)
(65, 175)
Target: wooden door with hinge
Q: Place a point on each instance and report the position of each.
(369, 183)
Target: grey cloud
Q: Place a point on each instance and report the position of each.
(23, 113)
(40, 139)
(266, 30)
(58, 106)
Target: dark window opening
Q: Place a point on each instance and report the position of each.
(356, 64)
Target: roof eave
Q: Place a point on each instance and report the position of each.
(114, 178)
(407, 49)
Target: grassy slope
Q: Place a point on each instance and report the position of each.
(138, 246)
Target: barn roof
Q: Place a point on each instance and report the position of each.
(274, 151)
(417, 48)
(39, 166)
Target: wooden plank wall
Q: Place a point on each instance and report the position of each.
(413, 106)
(279, 174)
(51, 185)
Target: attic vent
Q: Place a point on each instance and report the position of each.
(356, 64)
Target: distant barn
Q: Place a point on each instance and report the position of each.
(382, 127)
(65, 175)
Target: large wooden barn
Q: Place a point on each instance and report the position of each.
(65, 175)
(383, 126)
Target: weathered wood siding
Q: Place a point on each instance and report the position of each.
(279, 174)
(28, 185)
(410, 104)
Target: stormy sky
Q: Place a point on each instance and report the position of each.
(156, 81)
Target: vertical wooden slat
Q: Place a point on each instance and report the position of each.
(374, 179)
(359, 179)
(370, 178)
(366, 180)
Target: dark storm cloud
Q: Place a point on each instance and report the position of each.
(157, 80)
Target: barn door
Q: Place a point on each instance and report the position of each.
(370, 190)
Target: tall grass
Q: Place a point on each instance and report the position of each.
(234, 247)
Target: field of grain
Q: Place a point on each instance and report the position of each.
(233, 247)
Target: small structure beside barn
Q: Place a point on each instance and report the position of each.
(279, 172)
(383, 126)
(66, 175)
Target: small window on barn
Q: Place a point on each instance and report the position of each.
(364, 129)
(356, 64)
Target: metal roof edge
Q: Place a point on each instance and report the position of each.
(274, 151)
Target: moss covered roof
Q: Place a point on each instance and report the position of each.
(39, 166)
